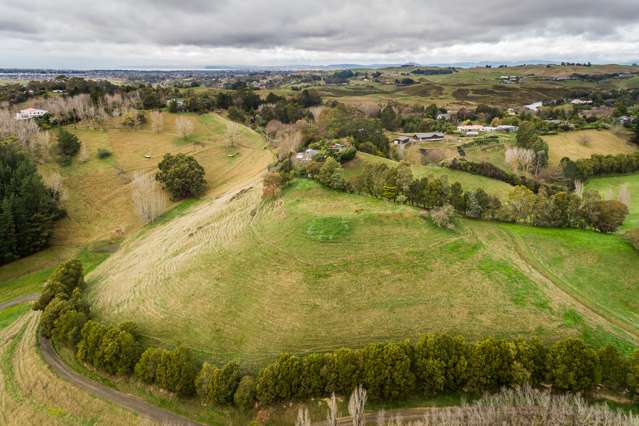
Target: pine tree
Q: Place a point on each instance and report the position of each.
(7, 233)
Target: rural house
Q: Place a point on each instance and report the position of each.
(29, 113)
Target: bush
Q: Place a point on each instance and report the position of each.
(182, 176)
(571, 365)
(68, 146)
(608, 215)
(62, 282)
(103, 153)
(245, 394)
(216, 385)
(443, 216)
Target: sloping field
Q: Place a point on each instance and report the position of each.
(99, 191)
(31, 394)
(611, 186)
(467, 180)
(319, 269)
(585, 143)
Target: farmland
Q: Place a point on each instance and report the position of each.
(609, 187)
(585, 143)
(368, 270)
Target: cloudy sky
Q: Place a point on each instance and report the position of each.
(193, 33)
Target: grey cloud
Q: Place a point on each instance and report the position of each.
(339, 26)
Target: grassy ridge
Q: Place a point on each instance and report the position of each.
(323, 269)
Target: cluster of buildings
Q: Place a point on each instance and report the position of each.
(509, 79)
(29, 113)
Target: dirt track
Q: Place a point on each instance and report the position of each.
(130, 402)
(19, 300)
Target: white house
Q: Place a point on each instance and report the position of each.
(29, 113)
(307, 155)
(535, 106)
(470, 128)
(581, 102)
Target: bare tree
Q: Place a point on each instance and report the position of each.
(370, 109)
(232, 133)
(317, 112)
(289, 142)
(157, 121)
(356, 406)
(520, 159)
(303, 417)
(579, 188)
(583, 140)
(149, 199)
(624, 195)
(331, 415)
(381, 417)
(184, 127)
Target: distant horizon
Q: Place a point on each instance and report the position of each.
(303, 66)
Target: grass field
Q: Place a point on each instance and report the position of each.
(585, 143)
(611, 186)
(467, 180)
(320, 269)
(31, 394)
(97, 193)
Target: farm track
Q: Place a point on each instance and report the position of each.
(555, 291)
(55, 363)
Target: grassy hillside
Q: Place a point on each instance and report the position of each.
(467, 180)
(97, 192)
(320, 269)
(585, 143)
(610, 186)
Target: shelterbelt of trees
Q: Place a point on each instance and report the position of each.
(432, 365)
(562, 209)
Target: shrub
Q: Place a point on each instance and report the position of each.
(62, 282)
(443, 216)
(51, 313)
(245, 394)
(182, 176)
(571, 365)
(103, 153)
(68, 146)
(218, 385)
(176, 371)
(608, 215)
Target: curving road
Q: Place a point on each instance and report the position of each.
(130, 402)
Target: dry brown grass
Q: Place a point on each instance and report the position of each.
(585, 143)
(31, 394)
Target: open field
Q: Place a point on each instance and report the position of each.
(321, 269)
(467, 180)
(585, 143)
(611, 185)
(31, 394)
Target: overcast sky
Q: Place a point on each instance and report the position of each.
(192, 33)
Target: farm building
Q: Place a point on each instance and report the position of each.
(29, 113)
(432, 136)
(470, 128)
(401, 140)
(581, 102)
(535, 106)
(507, 128)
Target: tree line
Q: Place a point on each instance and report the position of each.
(432, 365)
(600, 165)
(560, 209)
